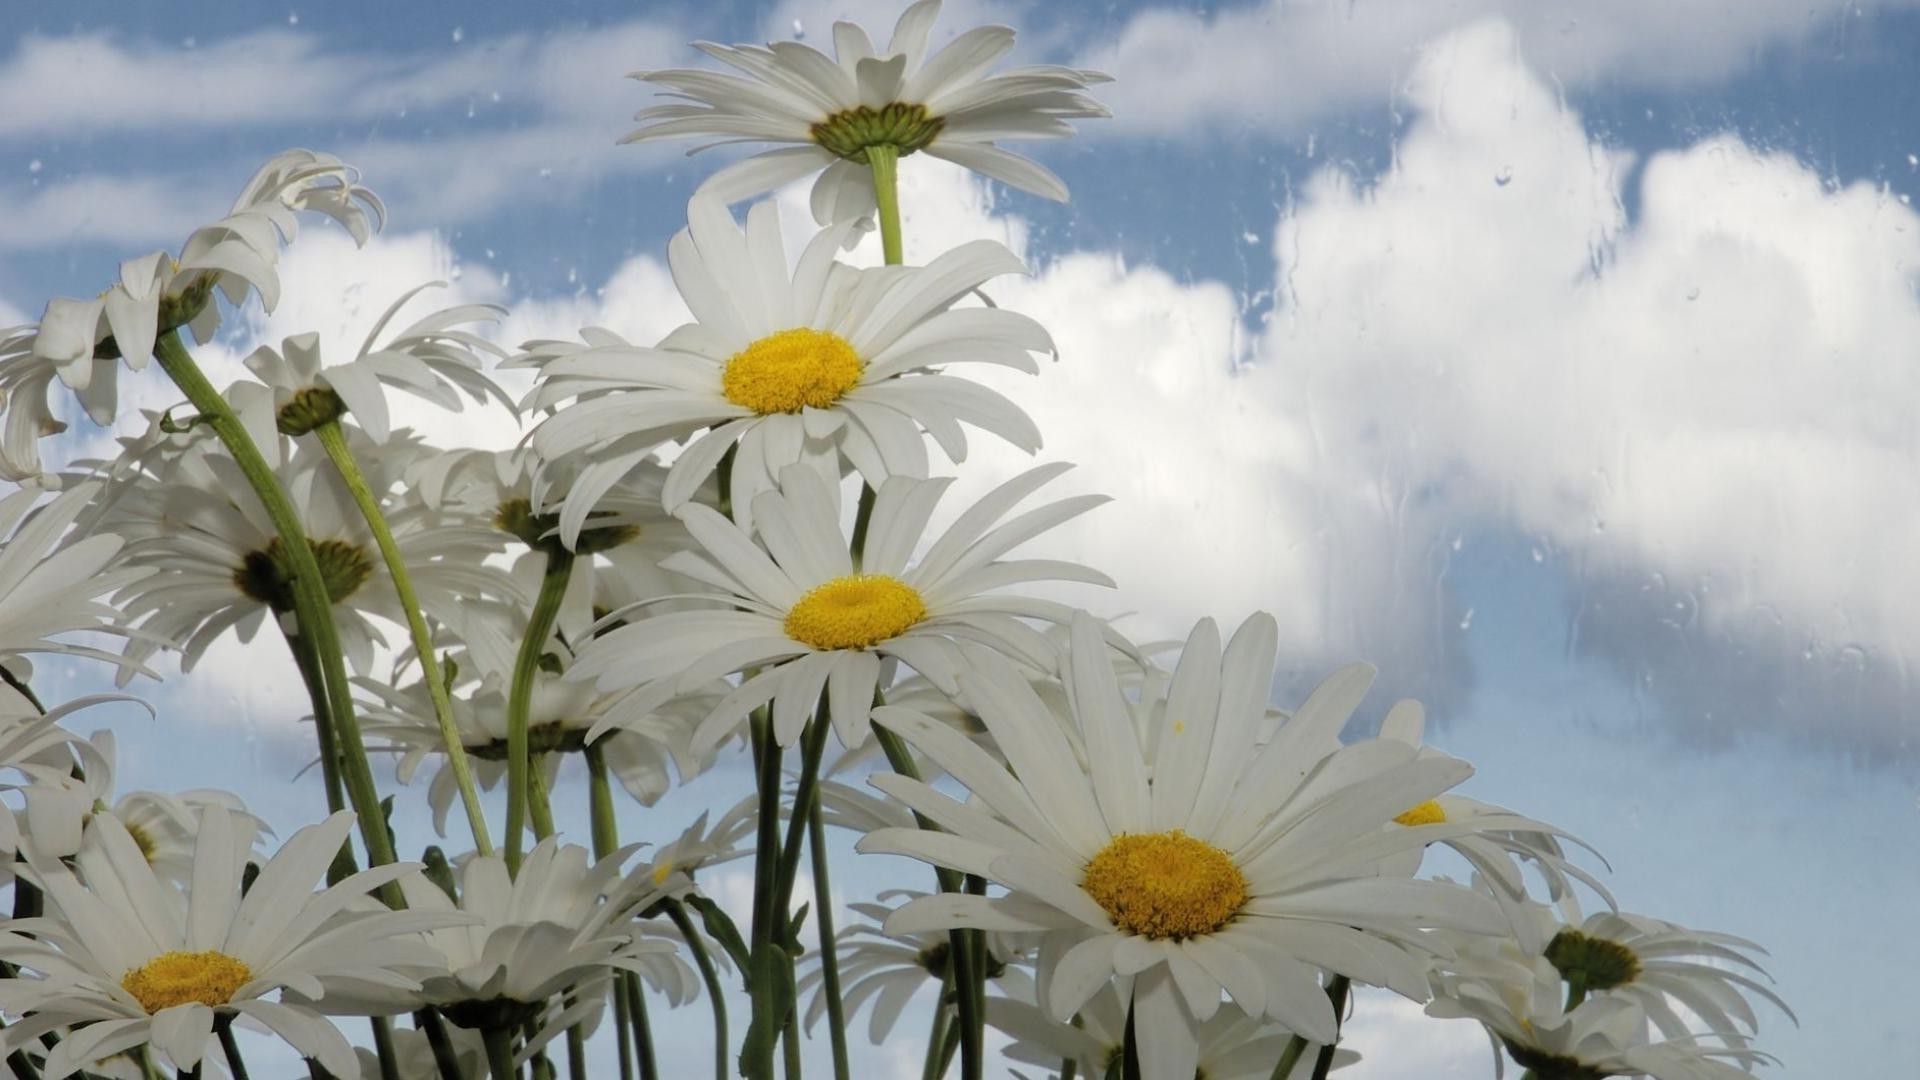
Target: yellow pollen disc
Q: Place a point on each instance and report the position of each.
(854, 612)
(1165, 885)
(662, 872)
(141, 840)
(177, 978)
(791, 370)
(1427, 813)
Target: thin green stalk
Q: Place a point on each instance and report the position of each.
(862, 518)
(444, 1056)
(829, 948)
(383, 1048)
(1576, 993)
(1130, 1050)
(500, 1053)
(526, 667)
(312, 607)
(622, 1038)
(539, 805)
(884, 160)
(969, 980)
(709, 975)
(333, 439)
(766, 885)
(1290, 1057)
(937, 1029)
(790, 1045)
(343, 865)
(1337, 993)
(576, 1053)
(1069, 1068)
(947, 1047)
(642, 1028)
(20, 687)
(230, 1046)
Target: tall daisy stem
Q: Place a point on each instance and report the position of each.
(757, 1057)
(526, 666)
(1290, 1057)
(1336, 992)
(884, 161)
(231, 1048)
(967, 977)
(937, 1026)
(445, 1058)
(309, 665)
(629, 1004)
(500, 1052)
(710, 975)
(313, 608)
(333, 439)
(829, 947)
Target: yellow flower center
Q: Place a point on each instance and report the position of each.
(1165, 885)
(661, 873)
(791, 370)
(177, 978)
(1427, 813)
(141, 840)
(854, 612)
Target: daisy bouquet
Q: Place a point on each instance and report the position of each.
(728, 559)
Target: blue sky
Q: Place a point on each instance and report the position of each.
(1556, 357)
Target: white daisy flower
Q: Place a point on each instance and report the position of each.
(892, 971)
(1233, 1045)
(804, 619)
(81, 341)
(810, 364)
(1662, 967)
(700, 846)
(142, 963)
(51, 578)
(563, 924)
(1220, 869)
(433, 358)
(1502, 841)
(219, 564)
(1520, 1004)
(941, 102)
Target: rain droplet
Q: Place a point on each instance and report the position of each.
(1466, 621)
(1504, 176)
(1693, 293)
(1913, 161)
(293, 18)
(459, 34)
(799, 31)
(35, 165)
(1539, 556)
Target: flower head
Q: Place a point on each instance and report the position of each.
(909, 98)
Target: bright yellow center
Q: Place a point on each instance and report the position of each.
(142, 841)
(791, 370)
(1165, 885)
(662, 872)
(1427, 813)
(177, 978)
(854, 612)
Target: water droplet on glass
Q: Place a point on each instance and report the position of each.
(545, 172)
(799, 31)
(1466, 621)
(1539, 556)
(1693, 293)
(1504, 176)
(35, 165)
(1913, 161)
(459, 34)
(293, 18)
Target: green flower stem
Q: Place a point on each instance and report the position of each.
(709, 975)
(546, 609)
(641, 1025)
(937, 1029)
(757, 1057)
(790, 1044)
(1069, 1068)
(884, 160)
(829, 947)
(1576, 993)
(20, 687)
(861, 519)
(1337, 993)
(968, 978)
(500, 1053)
(312, 607)
(1130, 1050)
(444, 1056)
(539, 804)
(576, 1053)
(605, 826)
(333, 439)
(1289, 1057)
(622, 1038)
(629, 1006)
(343, 864)
(382, 1048)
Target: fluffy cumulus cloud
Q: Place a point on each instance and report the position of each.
(1275, 66)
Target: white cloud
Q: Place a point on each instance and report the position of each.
(1280, 67)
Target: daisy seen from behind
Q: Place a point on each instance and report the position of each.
(817, 363)
(806, 619)
(837, 110)
(1223, 870)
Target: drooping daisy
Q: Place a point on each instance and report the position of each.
(806, 620)
(51, 579)
(1233, 1045)
(1224, 869)
(1521, 1005)
(1502, 842)
(811, 364)
(219, 564)
(891, 971)
(142, 963)
(82, 341)
(433, 358)
(943, 103)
